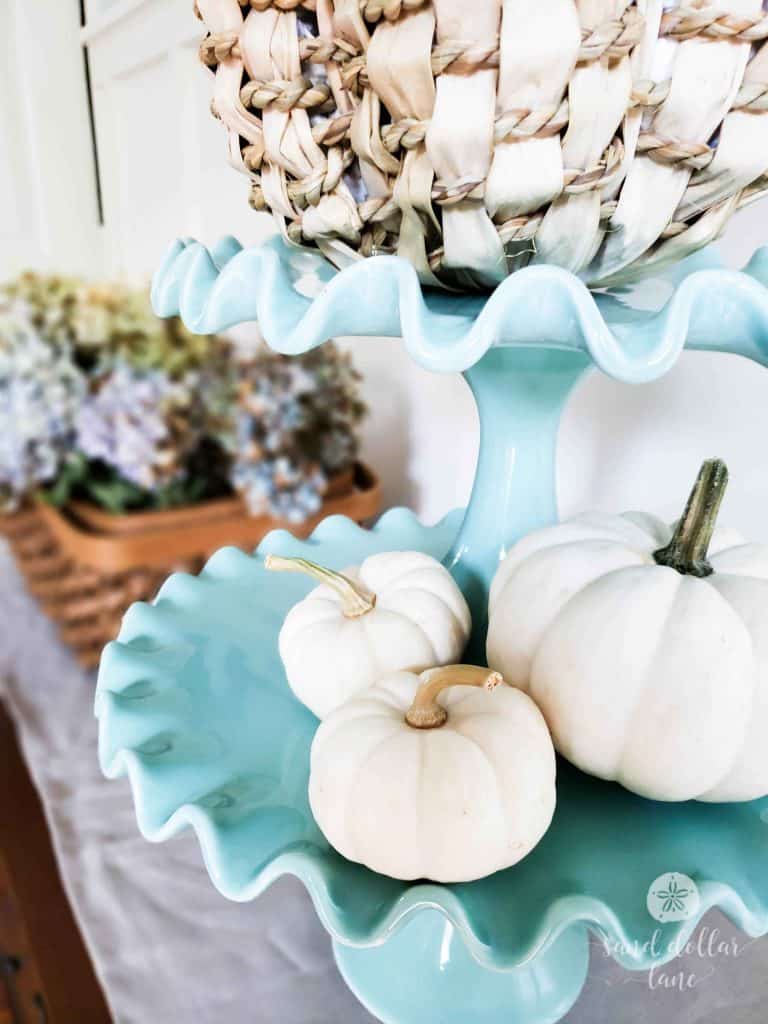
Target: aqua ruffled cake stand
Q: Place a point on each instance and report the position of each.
(193, 705)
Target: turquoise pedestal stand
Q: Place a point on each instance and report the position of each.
(520, 395)
(445, 984)
(193, 704)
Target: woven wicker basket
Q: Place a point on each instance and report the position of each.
(472, 137)
(86, 567)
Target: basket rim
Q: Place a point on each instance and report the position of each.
(161, 543)
(93, 518)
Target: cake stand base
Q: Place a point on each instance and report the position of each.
(424, 974)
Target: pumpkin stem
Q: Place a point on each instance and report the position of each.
(425, 712)
(356, 600)
(687, 551)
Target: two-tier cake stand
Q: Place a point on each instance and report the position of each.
(193, 704)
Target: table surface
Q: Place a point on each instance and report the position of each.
(167, 946)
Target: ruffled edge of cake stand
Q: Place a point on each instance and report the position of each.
(702, 303)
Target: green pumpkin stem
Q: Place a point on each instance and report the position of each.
(425, 712)
(687, 551)
(356, 600)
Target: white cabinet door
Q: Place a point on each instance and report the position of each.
(49, 216)
(162, 155)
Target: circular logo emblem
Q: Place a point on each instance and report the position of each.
(673, 897)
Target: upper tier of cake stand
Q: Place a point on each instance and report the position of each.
(635, 334)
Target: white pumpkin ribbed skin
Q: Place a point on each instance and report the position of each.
(646, 677)
(450, 804)
(420, 620)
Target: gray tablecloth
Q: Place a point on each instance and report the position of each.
(168, 948)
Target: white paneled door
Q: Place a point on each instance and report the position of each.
(162, 155)
(107, 147)
(49, 214)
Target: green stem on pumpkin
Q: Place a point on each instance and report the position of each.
(356, 600)
(687, 551)
(425, 712)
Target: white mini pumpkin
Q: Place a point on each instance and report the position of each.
(649, 662)
(450, 790)
(398, 610)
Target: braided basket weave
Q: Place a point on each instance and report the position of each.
(86, 604)
(473, 137)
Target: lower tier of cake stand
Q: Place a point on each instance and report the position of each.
(424, 974)
(195, 709)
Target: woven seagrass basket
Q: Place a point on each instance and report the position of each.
(472, 137)
(86, 567)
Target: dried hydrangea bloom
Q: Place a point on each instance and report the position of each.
(100, 321)
(40, 392)
(142, 424)
(46, 303)
(280, 487)
(156, 401)
(293, 426)
(120, 319)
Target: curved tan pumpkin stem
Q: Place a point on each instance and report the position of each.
(356, 600)
(425, 712)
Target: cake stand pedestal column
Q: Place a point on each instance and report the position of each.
(520, 395)
(425, 975)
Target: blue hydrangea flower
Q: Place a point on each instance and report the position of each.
(293, 426)
(40, 392)
(141, 423)
(279, 488)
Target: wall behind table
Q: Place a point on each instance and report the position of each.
(163, 173)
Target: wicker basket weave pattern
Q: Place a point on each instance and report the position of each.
(606, 136)
(86, 604)
(86, 567)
